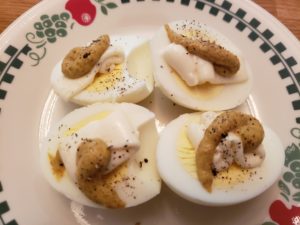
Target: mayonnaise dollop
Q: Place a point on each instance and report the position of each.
(195, 70)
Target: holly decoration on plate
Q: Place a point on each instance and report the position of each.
(289, 187)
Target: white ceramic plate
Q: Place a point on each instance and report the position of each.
(33, 44)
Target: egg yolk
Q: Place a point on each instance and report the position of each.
(233, 176)
(84, 122)
(186, 153)
(107, 80)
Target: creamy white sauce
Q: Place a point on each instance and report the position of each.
(195, 70)
(191, 68)
(113, 56)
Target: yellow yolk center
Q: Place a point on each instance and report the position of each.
(84, 122)
(107, 80)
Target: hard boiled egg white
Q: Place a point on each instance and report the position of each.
(209, 97)
(138, 183)
(176, 165)
(129, 81)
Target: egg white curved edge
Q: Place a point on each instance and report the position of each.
(66, 87)
(65, 185)
(142, 84)
(140, 117)
(230, 96)
(121, 93)
(147, 183)
(191, 189)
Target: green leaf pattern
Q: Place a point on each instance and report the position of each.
(269, 223)
(292, 153)
(292, 176)
(111, 5)
(296, 197)
(103, 9)
(284, 188)
(105, 6)
(284, 196)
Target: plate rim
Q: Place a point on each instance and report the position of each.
(6, 35)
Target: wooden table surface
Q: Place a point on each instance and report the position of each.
(287, 11)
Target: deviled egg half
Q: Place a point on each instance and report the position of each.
(219, 159)
(103, 155)
(198, 67)
(110, 69)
